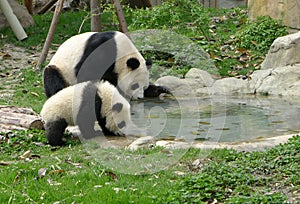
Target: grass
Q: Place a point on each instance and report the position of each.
(72, 175)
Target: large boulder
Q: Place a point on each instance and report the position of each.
(281, 68)
(285, 10)
(282, 81)
(284, 51)
(20, 11)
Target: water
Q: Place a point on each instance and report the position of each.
(221, 119)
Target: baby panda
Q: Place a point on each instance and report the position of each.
(109, 56)
(83, 104)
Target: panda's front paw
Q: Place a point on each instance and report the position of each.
(60, 143)
(154, 91)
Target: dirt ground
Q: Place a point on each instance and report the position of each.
(12, 60)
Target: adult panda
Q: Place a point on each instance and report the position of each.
(83, 104)
(109, 56)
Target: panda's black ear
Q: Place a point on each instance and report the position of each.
(133, 63)
(148, 63)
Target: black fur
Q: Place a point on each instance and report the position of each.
(54, 131)
(122, 124)
(155, 91)
(135, 86)
(117, 107)
(133, 63)
(149, 63)
(98, 59)
(88, 111)
(53, 80)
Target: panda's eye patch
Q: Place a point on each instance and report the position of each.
(117, 107)
(135, 86)
(121, 124)
(133, 63)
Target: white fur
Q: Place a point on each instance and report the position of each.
(69, 54)
(71, 51)
(66, 103)
(110, 96)
(127, 77)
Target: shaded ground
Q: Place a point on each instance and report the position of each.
(13, 60)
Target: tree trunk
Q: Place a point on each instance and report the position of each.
(121, 18)
(28, 5)
(50, 33)
(96, 16)
(47, 6)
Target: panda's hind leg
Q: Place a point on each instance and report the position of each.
(55, 131)
(53, 80)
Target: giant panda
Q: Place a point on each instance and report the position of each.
(82, 104)
(107, 55)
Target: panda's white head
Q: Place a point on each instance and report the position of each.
(131, 67)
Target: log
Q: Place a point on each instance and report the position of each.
(14, 118)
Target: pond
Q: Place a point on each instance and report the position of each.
(218, 118)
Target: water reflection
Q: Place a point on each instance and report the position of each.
(220, 119)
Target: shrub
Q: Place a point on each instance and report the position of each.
(260, 34)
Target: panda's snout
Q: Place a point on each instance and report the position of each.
(138, 94)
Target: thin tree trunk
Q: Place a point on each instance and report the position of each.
(50, 33)
(46, 7)
(96, 16)
(121, 18)
(28, 5)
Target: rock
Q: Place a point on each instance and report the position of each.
(284, 51)
(141, 142)
(283, 81)
(21, 12)
(177, 86)
(184, 50)
(257, 79)
(229, 86)
(284, 10)
(199, 78)
(173, 144)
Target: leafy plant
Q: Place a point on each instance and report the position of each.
(232, 177)
(260, 34)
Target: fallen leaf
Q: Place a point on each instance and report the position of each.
(42, 172)
(179, 173)
(6, 56)
(112, 175)
(2, 163)
(53, 183)
(59, 171)
(33, 93)
(204, 123)
(34, 156)
(17, 178)
(78, 165)
(25, 155)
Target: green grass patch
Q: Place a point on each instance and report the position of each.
(33, 172)
(71, 174)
